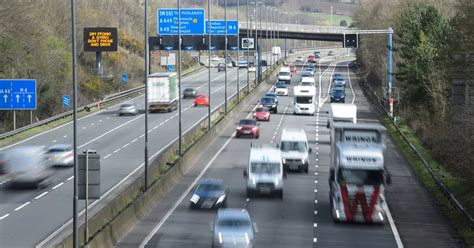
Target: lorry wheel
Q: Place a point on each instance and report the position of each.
(249, 193)
(280, 194)
(306, 168)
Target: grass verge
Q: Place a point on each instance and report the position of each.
(460, 188)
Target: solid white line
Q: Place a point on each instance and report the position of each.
(54, 141)
(108, 155)
(65, 136)
(125, 145)
(135, 140)
(4, 216)
(57, 186)
(392, 225)
(70, 178)
(22, 206)
(350, 84)
(44, 193)
(117, 150)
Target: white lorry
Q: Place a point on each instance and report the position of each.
(304, 101)
(345, 112)
(358, 174)
(265, 173)
(162, 92)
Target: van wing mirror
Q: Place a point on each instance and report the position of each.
(245, 174)
(310, 150)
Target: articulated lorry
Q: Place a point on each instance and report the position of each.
(358, 174)
(162, 92)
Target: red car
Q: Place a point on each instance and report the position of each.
(247, 127)
(262, 114)
(201, 99)
(293, 68)
(311, 58)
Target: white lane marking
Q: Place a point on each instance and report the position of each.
(22, 206)
(108, 155)
(181, 198)
(315, 240)
(135, 140)
(107, 118)
(315, 191)
(65, 136)
(83, 128)
(58, 185)
(392, 225)
(315, 224)
(39, 196)
(92, 124)
(54, 141)
(316, 201)
(149, 131)
(315, 212)
(70, 178)
(141, 136)
(4, 216)
(100, 120)
(316, 181)
(117, 150)
(350, 84)
(125, 145)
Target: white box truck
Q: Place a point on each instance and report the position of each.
(304, 101)
(162, 92)
(342, 112)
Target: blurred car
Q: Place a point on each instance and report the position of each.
(215, 58)
(311, 58)
(292, 68)
(129, 108)
(201, 99)
(340, 81)
(279, 82)
(233, 228)
(247, 127)
(60, 155)
(3, 164)
(299, 59)
(306, 74)
(309, 69)
(338, 95)
(231, 63)
(330, 53)
(337, 76)
(252, 69)
(263, 63)
(281, 90)
(189, 93)
(220, 67)
(262, 114)
(317, 54)
(27, 166)
(270, 103)
(339, 86)
(243, 64)
(209, 193)
(292, 50)
(272, 95)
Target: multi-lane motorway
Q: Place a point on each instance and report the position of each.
(302, 217)
(120, 142)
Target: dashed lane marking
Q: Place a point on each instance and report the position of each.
(39, 196)
(58, 185)
(22, 206)
(108, 155)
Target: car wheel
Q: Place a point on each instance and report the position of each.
(237, 135)
(249, 193)
(257, 136)
(306, 169)
(195, 105)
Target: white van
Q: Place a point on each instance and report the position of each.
(304, 100)
(284, 74)
(295, 149)
(265, 172)
(307, 81)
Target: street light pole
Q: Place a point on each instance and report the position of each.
(146, 95)
(248, 57)
(180, 132)
(74, 135)
(225, 57)
(238, 52)
(209, 67)
(266, 29)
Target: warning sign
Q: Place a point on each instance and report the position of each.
(100, 39)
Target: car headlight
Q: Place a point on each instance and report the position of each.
(238, 128)
(276, 181)
(253, 180)
(343, 96)
(195, 199)
(284, 161)
(221, 198)
(274, 105)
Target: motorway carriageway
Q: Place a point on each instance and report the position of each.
(302, 218)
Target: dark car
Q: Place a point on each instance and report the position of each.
(338, 95)
(220, 67)
(247, 127)
(209, 193)
(306, 74)
(263, 63)
(272, 95)
(280, 82)
(337, 76)
(270, 103)
(330, 53)
(189, 93)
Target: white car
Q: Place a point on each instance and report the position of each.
(299, 59)
(252, 69)
(281, 90)
(215, 58)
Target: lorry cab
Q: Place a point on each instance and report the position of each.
(357, 180)
(304, 101)
(264, 174)
(294, 149)
(307, 81)
(342, 113)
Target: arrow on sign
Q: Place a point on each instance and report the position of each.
(17, 98)
(29, 98)
(5, 97)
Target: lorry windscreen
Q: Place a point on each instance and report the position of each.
(265, 168)
(293, 146)
(304, 99)
(360, 177)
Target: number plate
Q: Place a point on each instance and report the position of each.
(207, 204)
(294, 167)
(265, 190)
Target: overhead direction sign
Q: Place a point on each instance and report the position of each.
(192, 21)
(18, 94)
(100, 39)
(218, 27)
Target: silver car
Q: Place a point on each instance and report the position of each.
(233, 228)
(26, 166)
(60, 155)
(128, 109)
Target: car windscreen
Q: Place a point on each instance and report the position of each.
(267, 100)
(127, 105)
(234, 223)
(337, 93)
(201, 96)
(209, 187)
(264, 168)
(287, 146)
(284, 73)
(247, 122)
(307, 83)
(261, 110)
(282, 87)
(188, 90)
(308, 69)
(360, 177)
(65, 149)
(304, 99)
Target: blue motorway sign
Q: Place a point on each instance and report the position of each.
(17, 94)
(192, 21)
(170, 68)
(218, 27)
(66, 101)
